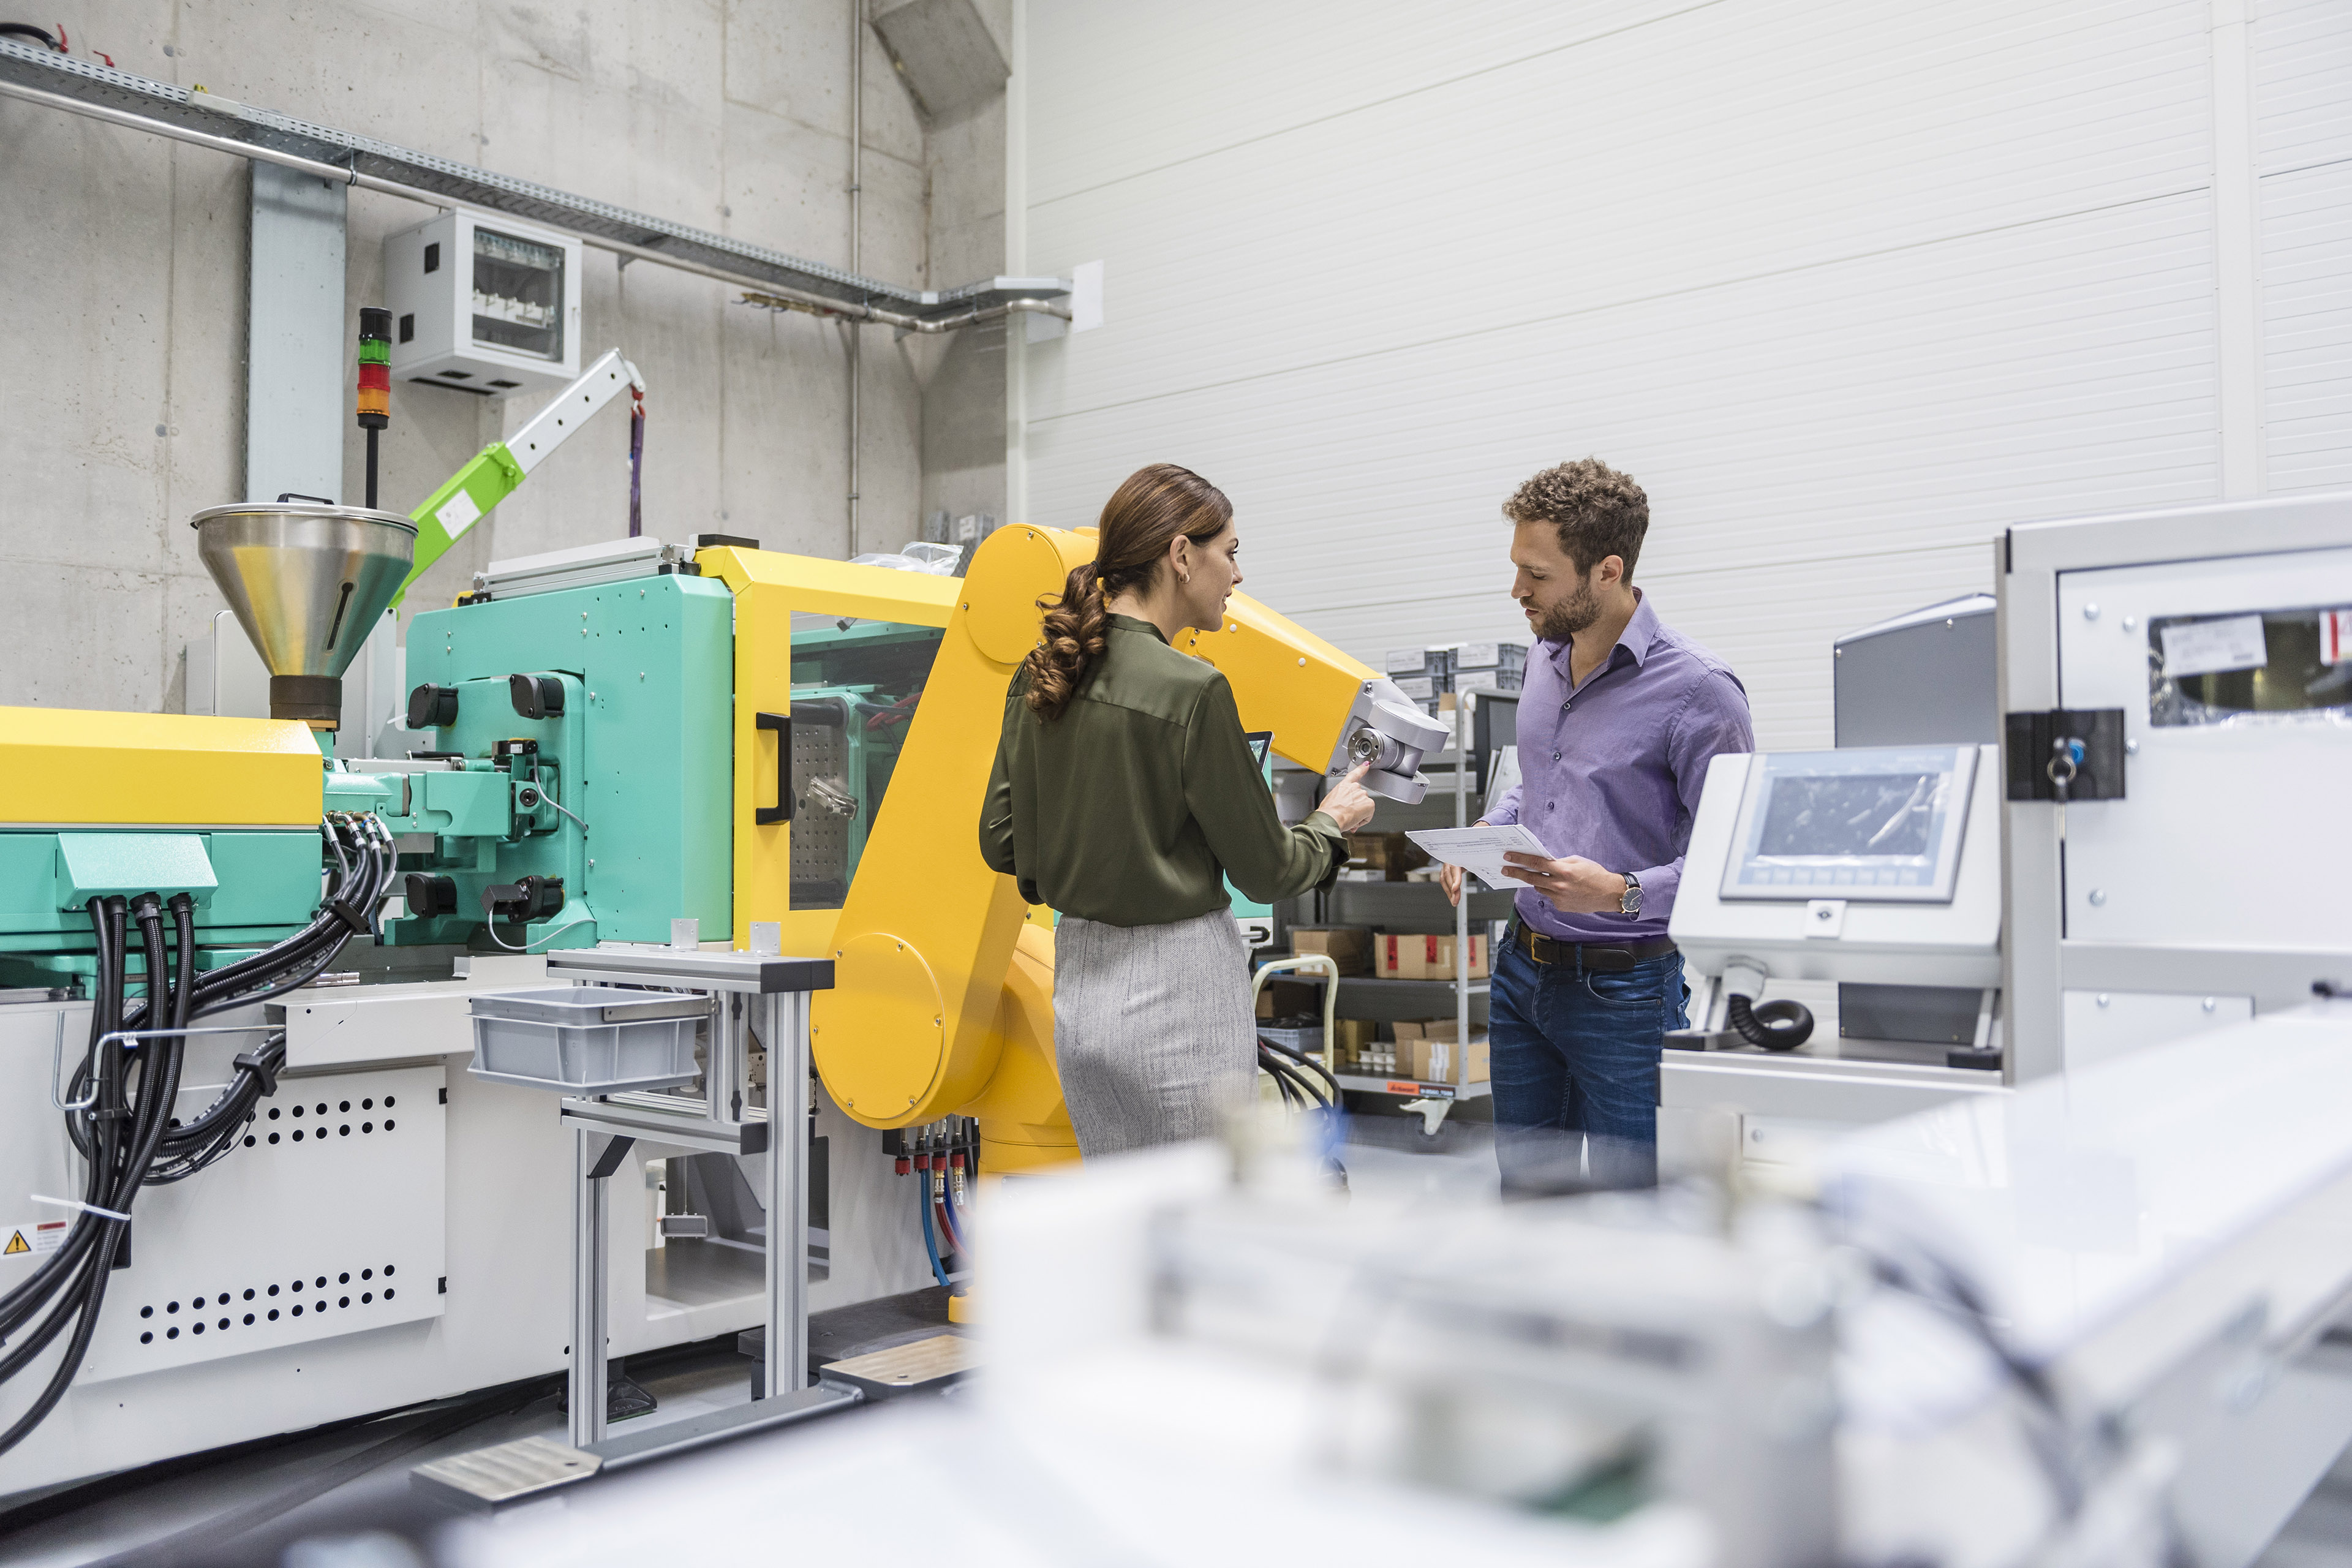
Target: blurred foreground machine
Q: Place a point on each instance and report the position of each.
(602, 743)
(2014, 1331)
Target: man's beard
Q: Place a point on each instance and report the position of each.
(1570, 616)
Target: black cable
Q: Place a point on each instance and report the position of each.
(1775, 1026)
(1303, 1059)
(26, 30)
(126, 1135)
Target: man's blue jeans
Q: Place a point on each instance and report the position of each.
(1574, 1055)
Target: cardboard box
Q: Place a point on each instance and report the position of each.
(1433, 1061)
(1432, 1029)
(1352, 1035)
(1349, 946)
(1427, 957)
(1392, 853)
(1289, 999)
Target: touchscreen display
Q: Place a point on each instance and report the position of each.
(1880, 823)
(1858, 814)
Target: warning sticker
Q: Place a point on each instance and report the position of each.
(457, 514)
(43, 1236)
(2335, 636)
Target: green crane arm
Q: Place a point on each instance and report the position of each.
(499, 468)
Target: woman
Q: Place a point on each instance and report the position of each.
(1124, 794)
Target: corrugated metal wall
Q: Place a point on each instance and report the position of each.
(2303, 154)
(1847, 286)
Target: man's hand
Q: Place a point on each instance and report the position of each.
(1450, 876)
(1574, 886)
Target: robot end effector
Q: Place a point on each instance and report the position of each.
(1388, 730)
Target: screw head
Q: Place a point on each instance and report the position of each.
(2212, 1003)
(2103, 998)
(2098, 897)
(2089, 612)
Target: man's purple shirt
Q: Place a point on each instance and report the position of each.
(1611, 770)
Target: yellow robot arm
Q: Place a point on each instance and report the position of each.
(943, 997)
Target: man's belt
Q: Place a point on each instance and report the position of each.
(1602, 957)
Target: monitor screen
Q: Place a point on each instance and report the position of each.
(1874, 823)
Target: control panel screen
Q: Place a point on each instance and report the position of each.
(1870, 824)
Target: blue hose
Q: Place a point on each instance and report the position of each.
(951, 1217)
(931, 1242)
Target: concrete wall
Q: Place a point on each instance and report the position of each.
(963, 377)
(121, 410)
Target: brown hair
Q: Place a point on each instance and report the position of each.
(1141, 518)
(1599, 512)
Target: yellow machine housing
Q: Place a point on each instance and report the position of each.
(62, 767)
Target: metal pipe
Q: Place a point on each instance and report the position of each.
(772, 299)
(775, 295)
(856, 190)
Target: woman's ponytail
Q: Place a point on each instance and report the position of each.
(1073, 641)
(1142, 518)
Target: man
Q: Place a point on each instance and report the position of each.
(1618, 720)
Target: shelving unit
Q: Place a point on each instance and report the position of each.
(1405, 906)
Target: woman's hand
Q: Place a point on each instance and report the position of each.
(1348, 804)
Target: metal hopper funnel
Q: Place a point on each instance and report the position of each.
(306, 582)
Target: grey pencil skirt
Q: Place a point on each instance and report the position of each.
(1153, 1029)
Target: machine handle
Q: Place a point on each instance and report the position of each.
(764, 816)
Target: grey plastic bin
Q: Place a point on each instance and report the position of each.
(586, 1039)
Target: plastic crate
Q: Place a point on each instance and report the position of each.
(586, 1039)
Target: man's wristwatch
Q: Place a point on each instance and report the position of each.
(1630, 901)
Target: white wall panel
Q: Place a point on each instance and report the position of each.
(2307, 327)
(2303, 149)
(2303, 83)
(1848, 285)
(1728, 143)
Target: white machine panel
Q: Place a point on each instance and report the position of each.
(2104, 1024)
(2235, 679)
(284, 1243)
(1889, 942)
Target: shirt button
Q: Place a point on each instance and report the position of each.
(1563, 707)
(1554, 756)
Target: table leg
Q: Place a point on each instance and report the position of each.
(594, 1157)
(786, 1028)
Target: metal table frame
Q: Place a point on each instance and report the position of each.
(748, 991)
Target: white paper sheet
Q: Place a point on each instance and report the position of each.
(1480, 851)
(2209, 647)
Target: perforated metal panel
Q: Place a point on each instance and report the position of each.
(820, 838)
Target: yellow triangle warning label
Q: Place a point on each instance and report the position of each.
(15, 1245)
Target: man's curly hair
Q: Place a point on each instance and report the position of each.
(1599, 512)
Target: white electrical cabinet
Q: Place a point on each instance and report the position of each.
(483, 305)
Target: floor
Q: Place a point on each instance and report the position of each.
(1387, 1160)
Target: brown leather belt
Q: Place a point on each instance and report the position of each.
(1602, 957)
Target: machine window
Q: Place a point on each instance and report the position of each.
(855, 687)
(2250, 667)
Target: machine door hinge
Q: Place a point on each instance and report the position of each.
(2065, 754)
